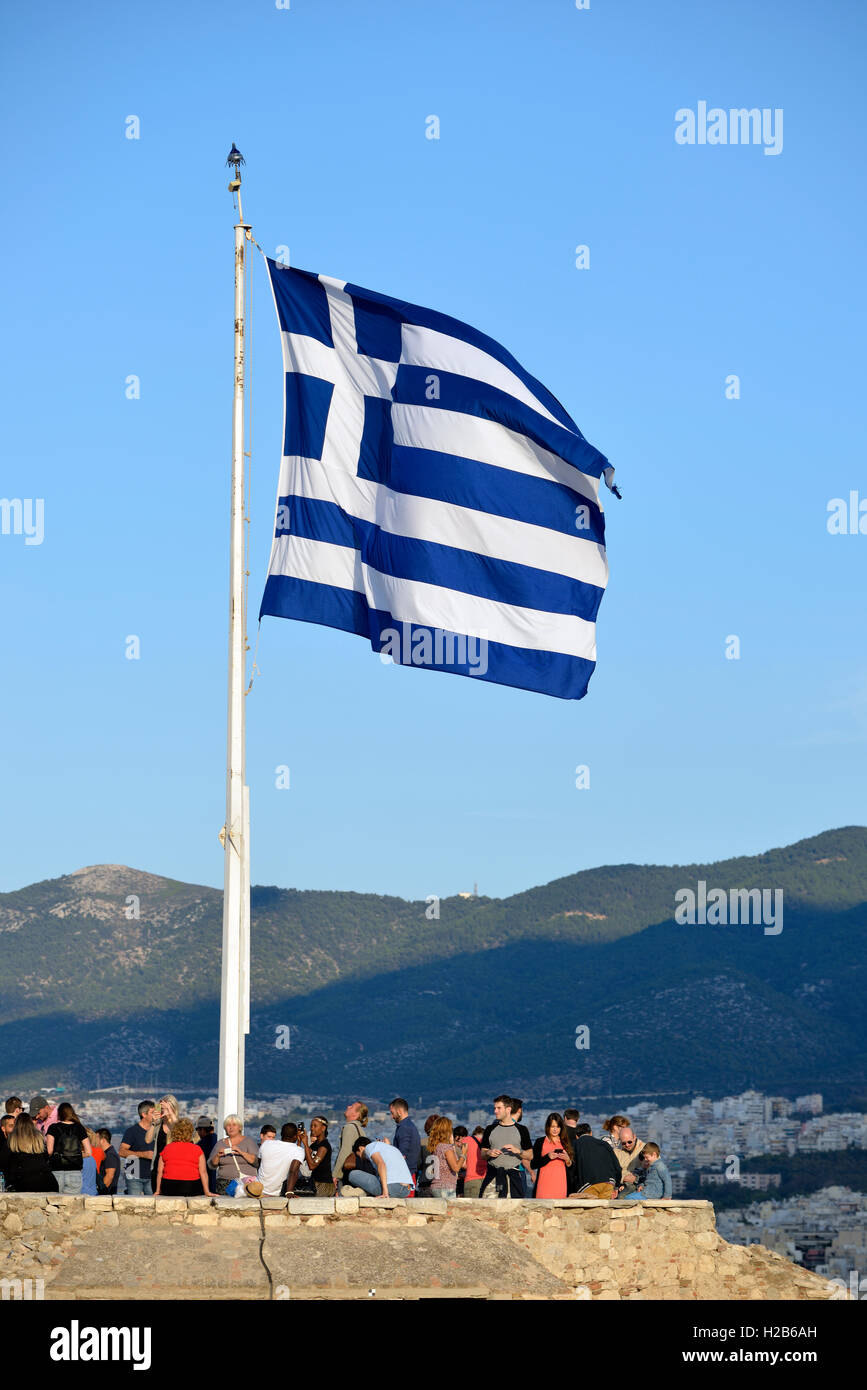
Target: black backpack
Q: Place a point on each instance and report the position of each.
(67, 1148)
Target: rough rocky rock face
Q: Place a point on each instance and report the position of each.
(116, 1248)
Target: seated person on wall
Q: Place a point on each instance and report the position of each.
(319, 1180)
(280, 1162)
(598, 1168)
(355, 1115)
(611, 1130)
(629, 1154)
(657, 1184)
(392, 1176)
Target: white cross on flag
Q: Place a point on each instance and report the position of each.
(434, 497)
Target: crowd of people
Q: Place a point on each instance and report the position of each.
(48, 1149)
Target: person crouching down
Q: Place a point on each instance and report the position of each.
(657, 1184)
(392, 1176)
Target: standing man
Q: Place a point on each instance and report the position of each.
(570, 1119)
(407, 1139)
(523, 1171)
(7, 1124)
(110, 1171)
(505, 1145)
(42, 1113)
(136, 1153)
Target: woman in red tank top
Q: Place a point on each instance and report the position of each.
(181, 1170)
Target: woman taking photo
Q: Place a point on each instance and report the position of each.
(67, 1144)
(234, 1157)
(164, 1116)
(552, 1158)
(26, 1164)
(317, 1155)
(181, 1170)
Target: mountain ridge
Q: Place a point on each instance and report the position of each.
(83, 977)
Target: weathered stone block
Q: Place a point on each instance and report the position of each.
(82, 1221)
(316, 1206)
(102, 1203)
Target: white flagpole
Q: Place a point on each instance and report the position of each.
(235, 989)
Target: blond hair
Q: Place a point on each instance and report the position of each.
(25, 1137)
(171, 1101)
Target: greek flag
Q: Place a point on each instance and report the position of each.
(433, 497)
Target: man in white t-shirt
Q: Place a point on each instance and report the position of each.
(393, 1178)
(280, 1161)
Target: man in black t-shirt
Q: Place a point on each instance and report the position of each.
(136, 1154)
(109, 1175)
(571, 1118)
(7, 1124)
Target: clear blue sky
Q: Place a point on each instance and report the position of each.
(557, 128)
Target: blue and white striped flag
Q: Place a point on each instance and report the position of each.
(433, 497)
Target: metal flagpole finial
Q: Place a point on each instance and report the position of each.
(235, 160)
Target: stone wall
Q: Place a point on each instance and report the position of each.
(365, 1247)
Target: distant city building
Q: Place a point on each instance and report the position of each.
(809, 1105)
